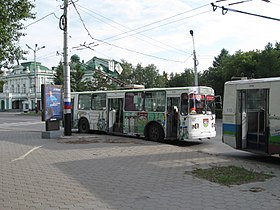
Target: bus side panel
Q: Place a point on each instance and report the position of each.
(274, 138)
(135, 122)
(230, 126)
(274, 119)
(98, 120)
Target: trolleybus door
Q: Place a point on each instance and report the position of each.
(254, 107)
(115, 115)
(172, 117)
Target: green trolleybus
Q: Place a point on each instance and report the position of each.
(251, 115)
(185, 113)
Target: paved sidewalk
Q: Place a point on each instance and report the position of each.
(109, 172)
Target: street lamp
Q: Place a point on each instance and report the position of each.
(195, 61)
(36, 48)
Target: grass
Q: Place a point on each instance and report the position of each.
(230, 175)
(31, 113)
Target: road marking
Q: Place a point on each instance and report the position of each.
(5, 125)
(23, 156)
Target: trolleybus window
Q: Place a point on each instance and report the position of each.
(99, 101)
(134, 101)
(210, 104)
(155, 101)
(197, 104)
(84, 101)
(184, 103)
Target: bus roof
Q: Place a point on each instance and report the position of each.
(252, 81)
(190, 88)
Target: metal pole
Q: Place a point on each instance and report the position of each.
(195, 61)
(35, 73)
(67, 91)
(35, 79)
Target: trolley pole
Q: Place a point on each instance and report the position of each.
(64, 24)
(195, 61)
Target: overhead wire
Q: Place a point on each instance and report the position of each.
(42, 18)
(134, 51)
(166, 24)
(74, 4)
(124, 32)
(113, 45)
(155, 22)
(225, 10)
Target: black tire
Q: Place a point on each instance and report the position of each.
(83, 126)
(155, 132)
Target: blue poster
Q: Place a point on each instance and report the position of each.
(53, 106)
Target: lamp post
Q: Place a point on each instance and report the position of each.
(36, 48)
(195, 61)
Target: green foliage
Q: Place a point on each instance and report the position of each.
(12, 13)
(126, 75)
(182, 80)
(148, 76)
(58, 76)
(252, 64)
(230, 175)
(1, 86)
(77, 73)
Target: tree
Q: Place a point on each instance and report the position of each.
(268, 61)
(77, 75)
(59, 76)
(127, 74)
(77, 72)
(1, 85)
(148, 76)
(12, 13)
(182, 80)
(218, 61)
(215, 76)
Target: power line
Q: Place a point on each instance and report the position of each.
(163, 25)
(170, 47)
(82, 20)
(225, 10)
(155, 22)
(138, 32)
(134, 51)
(52, 13)
(123, 48)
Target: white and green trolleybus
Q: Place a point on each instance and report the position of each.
(251, 115)
(182, 113)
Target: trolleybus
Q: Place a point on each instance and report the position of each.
(251, 115)
(184, 113)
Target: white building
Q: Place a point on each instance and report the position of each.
(19, 87)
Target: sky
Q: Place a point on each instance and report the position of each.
(151, 31)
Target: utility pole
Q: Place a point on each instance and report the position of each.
(35, 73)
(64, 24)
(195, 61)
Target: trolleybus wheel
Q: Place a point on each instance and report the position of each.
(155, 132)
(83, 126)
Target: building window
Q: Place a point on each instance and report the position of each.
(23, 88)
